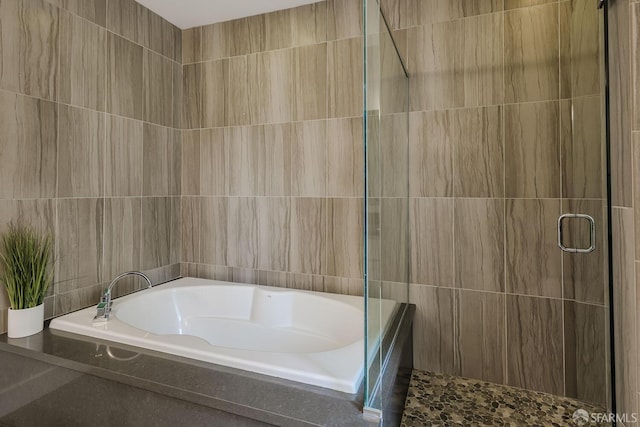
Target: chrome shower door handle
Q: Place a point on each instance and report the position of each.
(592, 233)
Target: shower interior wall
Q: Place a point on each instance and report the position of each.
(506, 134)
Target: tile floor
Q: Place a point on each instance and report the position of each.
(444, 400)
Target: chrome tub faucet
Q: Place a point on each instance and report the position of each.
(104, 306)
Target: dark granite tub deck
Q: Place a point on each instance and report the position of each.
(444, 400)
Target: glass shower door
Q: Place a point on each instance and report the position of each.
(386, 254)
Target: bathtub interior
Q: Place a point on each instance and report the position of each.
(262, 319)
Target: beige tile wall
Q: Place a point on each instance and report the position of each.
(88, 144)
(495, 159)
(272, 153)
(268, 164)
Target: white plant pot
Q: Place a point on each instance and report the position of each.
(25, 322)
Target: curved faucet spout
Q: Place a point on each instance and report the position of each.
(104, 306)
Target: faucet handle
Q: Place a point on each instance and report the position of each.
(101, 313)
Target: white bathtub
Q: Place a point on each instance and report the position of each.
(311, 337)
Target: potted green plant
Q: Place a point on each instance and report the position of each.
(25, 256)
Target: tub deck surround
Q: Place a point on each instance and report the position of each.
(259, 397)
(310, 337)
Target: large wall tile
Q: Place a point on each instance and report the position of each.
(344, 19)
(431, 231)
(178, 99)
(533, 259)
(625, 337)
(344, 237)
(29, 32)
(394, 240)
(122, 236)
(583, 152)
(80, 152)
(620, 103)
(38, 213)
(190, 181)
(433, 328)
(124, 77)
(586, 48)
(586, 352)
(157, 34)
(214, 75)
(480, 335)
(158, 89)
(161, 231)
(122, 18)
(344, 62)
(259, 160)
(191, 230)
(214, 229)
(308, 235)
(161, 161)
(214, 174)
(276, 30)
(456, 63)
(532, 150)
(309, 159)
(270, 85)
(192, 45)
(79, 243)
(421, 12)
(483, 60)
(212, 40)
(92, 10)
(277, 153)
(191, 96)
(310, 78)
(534, 334)
(123, 157)
(431, 155)
(28, 146)
(394, 155)
(82, 63)
(478, 147)
(309, 24)
(246, 160)
(242, 233)
(345, 169)
(479, 244)
(436, 54)
(238, 95)
(274, 235)
(532, 54)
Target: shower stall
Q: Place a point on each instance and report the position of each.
(487, 199)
